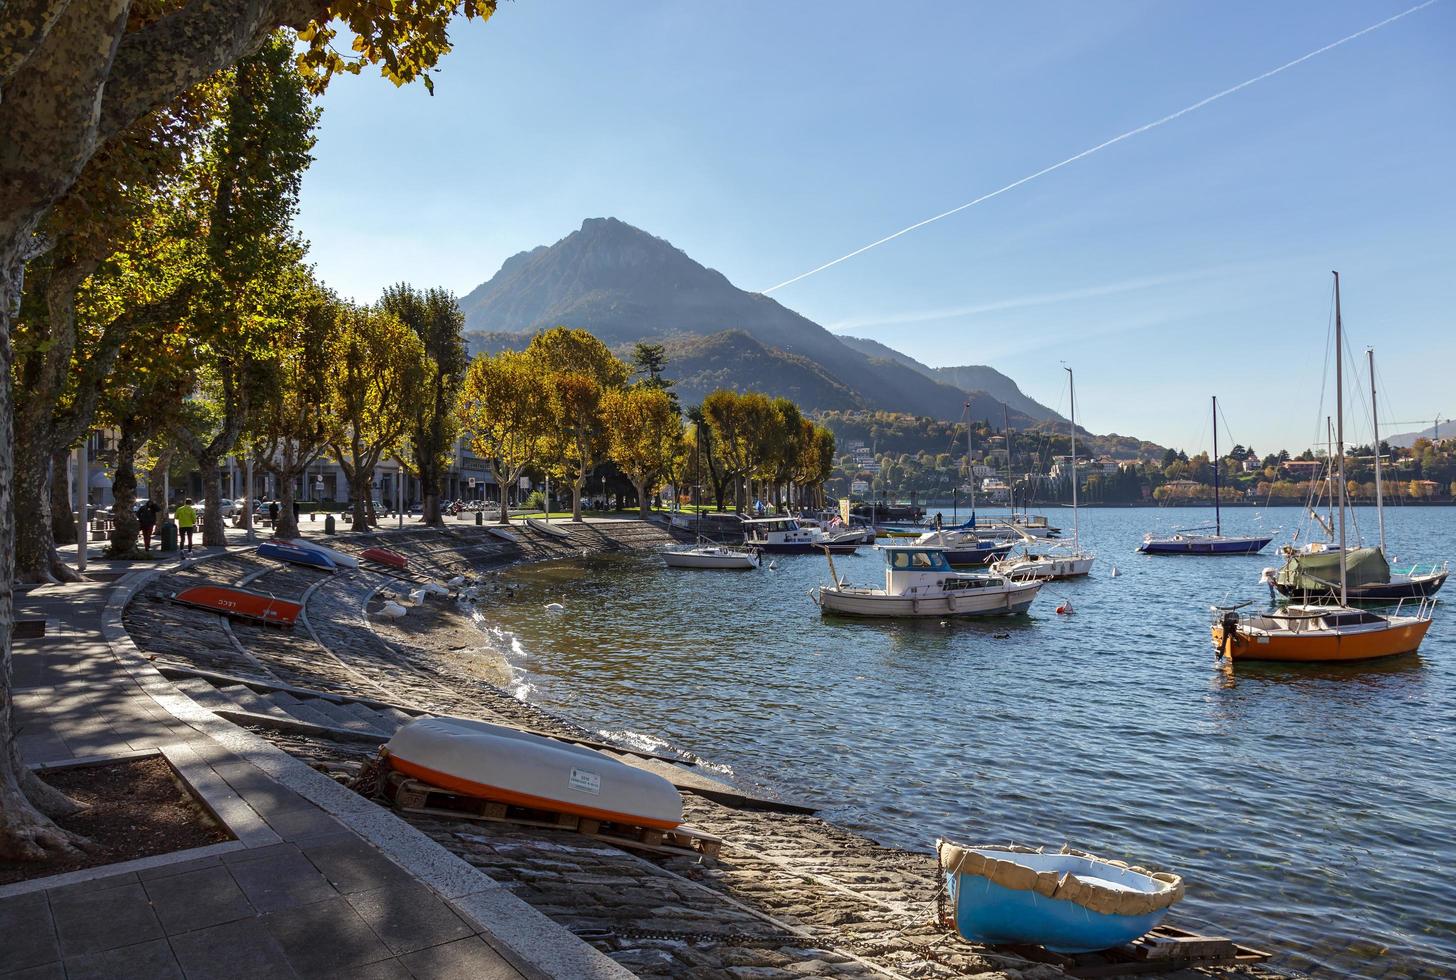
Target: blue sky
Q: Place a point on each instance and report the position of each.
(766, 139)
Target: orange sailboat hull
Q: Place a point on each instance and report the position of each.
(240, 603)
(1322, 647)
(383, 556)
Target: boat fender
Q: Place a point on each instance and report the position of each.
(1114, 573)
(1065, 609)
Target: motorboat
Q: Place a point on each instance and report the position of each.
(706, 555)
(1193, 540)
(240, 603)
(287, 551)
(385, 557)
(786, 536)
(1067, 901)
(966, 549)
(493, 762)
(1323, 633)
(919, 582)
(1313, 572)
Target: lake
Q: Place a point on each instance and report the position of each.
(1310, 808)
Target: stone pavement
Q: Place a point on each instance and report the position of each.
(310, 888)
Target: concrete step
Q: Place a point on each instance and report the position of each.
(343, 716)
(246, 699)
(376, 719)
(302, 710)
(203, 693)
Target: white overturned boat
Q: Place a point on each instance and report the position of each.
(919, 582)
(710, 556)
(476, 758)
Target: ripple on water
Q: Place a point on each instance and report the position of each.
(1310, 808)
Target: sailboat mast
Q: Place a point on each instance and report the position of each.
(1340, 436)
(970, 465)
(1375, 423)
(1072, 400)
(1010, 483)
(1217, 519)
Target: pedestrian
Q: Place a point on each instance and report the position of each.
(147, 517)
(186, 524)
(273, 513)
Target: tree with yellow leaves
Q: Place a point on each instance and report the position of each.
(503, 409)
(644, 436)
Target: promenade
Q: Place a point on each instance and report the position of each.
(316, 883)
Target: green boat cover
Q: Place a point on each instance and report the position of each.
(1321, 570)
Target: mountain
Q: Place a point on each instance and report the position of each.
(625, 285)
(1405, 440)
(971, 377)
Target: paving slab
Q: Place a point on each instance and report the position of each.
(409, 917)
(197, 899)
(464, 959)
(151, 960)
(350, 940)
(283, 881)
(29, 936)
(89, 921)
(241, 950)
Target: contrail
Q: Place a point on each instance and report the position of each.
(1102, 146)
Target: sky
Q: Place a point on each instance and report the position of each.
(767, 139)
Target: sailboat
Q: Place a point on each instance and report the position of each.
(1190, 541)
(1311, 572)
(965, 546)
(705, 554)
(1323, 633)
(1056, 561)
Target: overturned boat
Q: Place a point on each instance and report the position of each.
(287, 551)
(385, 557)
(1067, 901)
(492, 762)
(240, 603)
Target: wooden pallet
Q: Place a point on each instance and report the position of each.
(1164, 950)
(414, 796)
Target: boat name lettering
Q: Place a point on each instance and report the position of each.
(585, 781)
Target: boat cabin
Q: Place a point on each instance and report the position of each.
(778, 530)
(921, 569)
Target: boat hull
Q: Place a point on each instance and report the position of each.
(867, 604)
(800, 547)
(1333, 647)
(383, 556)
(972, 557)
(681, 559)
(293, 554)
(1205, 546)
(1421, 587)
(486, 761)
(1047, 569)
(546, 527)
(240, 603)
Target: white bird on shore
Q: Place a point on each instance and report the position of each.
(455, 582)
(417, 596)
(556, 607)
(392, 610)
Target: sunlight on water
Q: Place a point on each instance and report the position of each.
(1310, 808)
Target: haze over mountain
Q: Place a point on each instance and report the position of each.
(1440, 430)
(625, 285)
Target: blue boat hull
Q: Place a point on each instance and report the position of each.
(984, 555)
(1206, 546)
(296, 555)
(990, 913)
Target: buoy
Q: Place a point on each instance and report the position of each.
(1065, 609)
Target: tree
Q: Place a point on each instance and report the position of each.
(75, 74)
(503, 408)
(644, 436)
(580, 371)
(435, 317)
(378, 370)
(290, 420)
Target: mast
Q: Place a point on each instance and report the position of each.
(1072, 399)
(1217, 519)
(1340, 436)
(1010, 482)
(1375, 422)
(970, 465)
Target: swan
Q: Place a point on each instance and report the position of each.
(556, 607)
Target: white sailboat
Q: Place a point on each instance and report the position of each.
(1056, 561)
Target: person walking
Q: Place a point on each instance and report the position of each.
(186, 524)
(273, 513)
(146, 516)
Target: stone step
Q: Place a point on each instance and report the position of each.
(302, 710)
(245, 699)
(376, 719)
(343, 716)
(203, 693)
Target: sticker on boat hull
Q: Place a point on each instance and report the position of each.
(585, 781)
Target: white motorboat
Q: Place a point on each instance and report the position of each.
(786, 536)
(710, 556)
(476, 758)
(919, 582)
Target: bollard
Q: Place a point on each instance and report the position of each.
(479, 518)
(169, 535)
(329, 524)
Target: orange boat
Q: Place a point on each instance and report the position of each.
(383, 556)
(240, 603)
(1322, 634)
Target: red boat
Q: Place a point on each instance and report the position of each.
(240, 603)
(383, 556)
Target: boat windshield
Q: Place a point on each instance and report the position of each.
(918, 561)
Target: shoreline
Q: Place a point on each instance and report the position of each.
(775, 903)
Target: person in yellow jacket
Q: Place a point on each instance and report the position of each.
(186, 524)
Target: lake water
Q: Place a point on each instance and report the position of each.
(1310, 808)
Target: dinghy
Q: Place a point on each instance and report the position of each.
(337, 557)
(383, 556)
(476, 758)
(286, 551)
(1067, 901)
(503, 534)
(546, 527)
(240, 603)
